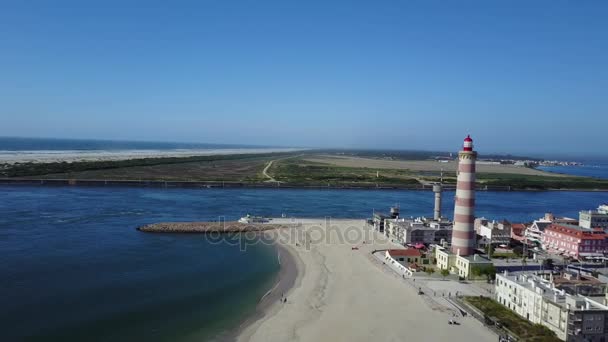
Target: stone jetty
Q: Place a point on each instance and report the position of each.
(209, 227)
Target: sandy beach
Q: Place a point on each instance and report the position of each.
(341, 294)
(52, 156)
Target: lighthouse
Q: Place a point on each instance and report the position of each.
(463, 233)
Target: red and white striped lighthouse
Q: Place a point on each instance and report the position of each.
(463, 233)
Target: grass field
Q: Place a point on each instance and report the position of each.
(302, 171)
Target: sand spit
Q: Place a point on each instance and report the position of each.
(51, 156)
(209, 227)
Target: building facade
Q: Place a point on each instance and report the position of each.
(419, 230)
(572, 317)
(463, 266)
(594, 218)
(574, 241)
(497, 233)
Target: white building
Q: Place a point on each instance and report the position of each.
(462, 266)
(498, 233)
(594, 218)
(571, 317)
(419, 230)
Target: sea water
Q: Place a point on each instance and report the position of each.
(74, 268)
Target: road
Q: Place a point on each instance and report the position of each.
(265, 172)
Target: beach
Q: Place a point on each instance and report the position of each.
(54, 156)
(345, 294)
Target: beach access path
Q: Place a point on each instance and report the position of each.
(345, 294)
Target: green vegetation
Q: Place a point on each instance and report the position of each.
(429, 270)
(291, 169)
(445, 272)
(525, 330)
(488, 271)
(299, 171)
(505, 255)
(533, 182)
(37, 169)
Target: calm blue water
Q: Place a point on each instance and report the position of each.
(74, 268)
(589, 169)
(45, 144)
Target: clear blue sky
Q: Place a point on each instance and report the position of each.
(519, 76)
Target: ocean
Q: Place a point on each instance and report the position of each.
(75, 268)
(50, 144)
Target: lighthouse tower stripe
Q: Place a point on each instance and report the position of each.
(463, 233)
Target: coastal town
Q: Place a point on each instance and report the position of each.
(549, 272)
(489, 278)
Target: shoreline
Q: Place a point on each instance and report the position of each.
(289, 276)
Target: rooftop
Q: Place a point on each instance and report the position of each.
(577, 231)
(411, 252)
(476, 259)
(550, 293)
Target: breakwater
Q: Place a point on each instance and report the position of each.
(209, 227)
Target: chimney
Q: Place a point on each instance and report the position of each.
(474, 256)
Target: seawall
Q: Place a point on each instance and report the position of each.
(208, 227)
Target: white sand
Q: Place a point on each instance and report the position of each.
(11, 157)
(347, 295)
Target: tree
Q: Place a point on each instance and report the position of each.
(490, 272)
(445, 272)
(476, 271)
(489, 250)
(430, 270)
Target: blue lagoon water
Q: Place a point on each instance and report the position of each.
(74, 268)
(589, 169)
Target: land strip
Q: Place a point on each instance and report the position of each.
(289, 170)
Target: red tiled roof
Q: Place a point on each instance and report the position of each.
(576, 231)
(405, 252)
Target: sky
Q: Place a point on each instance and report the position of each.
(519, 76)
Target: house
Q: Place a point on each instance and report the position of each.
(404, 256)
(466, 267)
